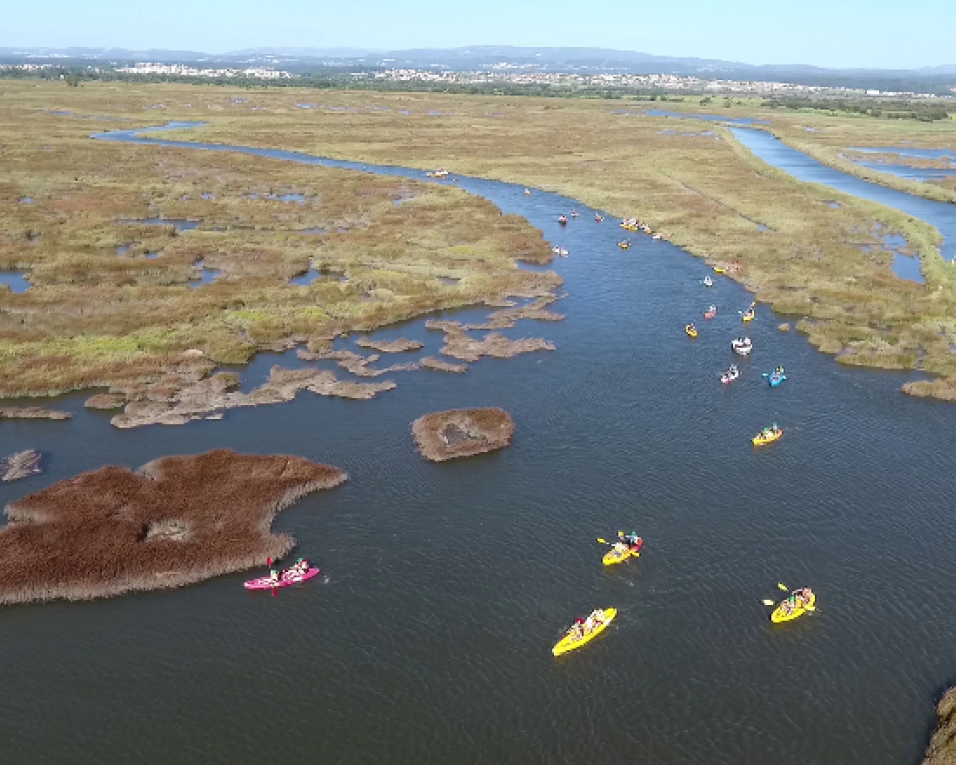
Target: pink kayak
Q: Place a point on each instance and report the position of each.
(265, 583)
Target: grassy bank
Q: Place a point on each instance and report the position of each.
(112, 299)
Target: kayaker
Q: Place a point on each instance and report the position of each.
(632, 539)
(274, 577)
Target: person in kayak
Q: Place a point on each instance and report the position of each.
(632, 540)
(274, 577)
(298, 568)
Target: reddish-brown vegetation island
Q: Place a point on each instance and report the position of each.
(175, 521)
(462, 432)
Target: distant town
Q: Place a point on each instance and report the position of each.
(488, 76)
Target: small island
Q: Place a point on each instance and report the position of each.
(462, 432)
(175, 521)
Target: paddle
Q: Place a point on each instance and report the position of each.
(269, 564)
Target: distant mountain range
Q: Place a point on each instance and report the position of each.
(474, 57)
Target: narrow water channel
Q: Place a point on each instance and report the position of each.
(775, 152)
(447, 585)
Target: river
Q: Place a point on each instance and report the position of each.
(429, 640)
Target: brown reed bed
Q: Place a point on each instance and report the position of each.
(176, 521)
(429, 362)
(177, 399)
(32, 413)
(456, 433)
(20, 465)
(389, 346)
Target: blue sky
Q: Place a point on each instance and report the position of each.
(842, 33)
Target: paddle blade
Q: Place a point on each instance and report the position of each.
(768, 603)
(809, 608)
(783, 587)
(603, 541)
(269, 562)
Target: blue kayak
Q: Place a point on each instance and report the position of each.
(776, 378)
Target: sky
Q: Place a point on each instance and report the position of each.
(832, 33)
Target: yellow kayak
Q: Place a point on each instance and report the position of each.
(630, 227)
(749, 316)
(719, 270)
(570, 641)
(760, 439)
(782, 614)
(614, 555)
(623, 245)
(691, 331)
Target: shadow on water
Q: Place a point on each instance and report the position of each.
(448, 584)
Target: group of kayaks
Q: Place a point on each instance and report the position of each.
(742, 346)
(585, 629)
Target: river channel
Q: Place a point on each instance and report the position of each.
(446, 585)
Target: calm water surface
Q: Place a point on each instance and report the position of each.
(447, 585)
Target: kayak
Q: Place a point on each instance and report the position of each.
(729, 376)
(691, 331)
(760, 439)
(623, 245)
(780, 613)
(265, 583)
(569, 642)
(630, 226)
(719, 270)
(708, 282)
(776, 378)
(742, 347)
(710, 313)
(749, 316)
(614, 555)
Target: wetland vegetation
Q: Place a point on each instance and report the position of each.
(462, 432)
(110, 262)
(175, 521)
(808, 258)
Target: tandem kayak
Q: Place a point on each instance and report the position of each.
(571, 640)
(266, 583)
(791, 608)
(742, 346)
(617, 555)
(767, 436)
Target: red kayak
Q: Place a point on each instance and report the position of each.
(286, 580)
